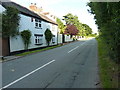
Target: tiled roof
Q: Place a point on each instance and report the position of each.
(25, 11)
(46, 18)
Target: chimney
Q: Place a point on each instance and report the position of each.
(33, 7)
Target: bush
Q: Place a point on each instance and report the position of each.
(48, 36)
(26, 35)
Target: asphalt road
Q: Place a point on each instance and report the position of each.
(74, 65)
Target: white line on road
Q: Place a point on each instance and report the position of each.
(73, 49)
(76, 47)
(27, 75)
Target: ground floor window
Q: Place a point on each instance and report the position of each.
(38, 39)
(53, 39)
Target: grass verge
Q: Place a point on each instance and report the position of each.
(35, 51)
(108, 68)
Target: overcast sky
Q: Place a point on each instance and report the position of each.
(60, 8)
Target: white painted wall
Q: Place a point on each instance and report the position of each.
(16, 43)
(59, 38)
(67, 38)
(2, 9)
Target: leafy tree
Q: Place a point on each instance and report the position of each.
(71, 30)
(10, 22)
(87, 29)
(26, 35)
(62, 28)
(48, 36)
(73, 20)
(69, 19)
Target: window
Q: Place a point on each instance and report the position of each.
(38, 39)
(37, 23)
(31, 19)
(53, 39)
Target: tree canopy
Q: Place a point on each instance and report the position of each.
(10, 22)
(87, 29)
(107, 16)
(71, 30)
(61, 26)
(73, 20)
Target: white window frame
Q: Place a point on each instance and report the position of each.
(38, 39)
(38, 23)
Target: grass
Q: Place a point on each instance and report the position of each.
(108, 68)
(35, 51)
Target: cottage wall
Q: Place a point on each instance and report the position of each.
(16, 43)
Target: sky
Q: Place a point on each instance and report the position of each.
(60, 8)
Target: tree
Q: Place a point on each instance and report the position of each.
(87, 29)
(71, 30)
(26, 35)
(69, 19)
(73, 20)
(107, 15)
(48, 36)
(10, 22)
(62, 28)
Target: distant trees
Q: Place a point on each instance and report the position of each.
(73, 26)
(87, 29)
(73, 20)
(107, 15)
(71, 30)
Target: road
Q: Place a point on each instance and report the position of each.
(74, 65)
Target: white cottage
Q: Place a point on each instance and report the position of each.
(37, 24)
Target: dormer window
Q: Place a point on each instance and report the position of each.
(37, 23)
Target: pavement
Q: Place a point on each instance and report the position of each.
(74, 65)
(7, 58)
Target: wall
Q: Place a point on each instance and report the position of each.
(68, 39)
(59, 38)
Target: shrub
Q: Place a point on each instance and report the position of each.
(48, 36)
(26, 35)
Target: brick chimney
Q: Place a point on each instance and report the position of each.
(34, 8)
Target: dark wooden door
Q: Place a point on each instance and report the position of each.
(5, 46)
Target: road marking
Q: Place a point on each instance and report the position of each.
(73, 49)
(27, 75)
(76, 47)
